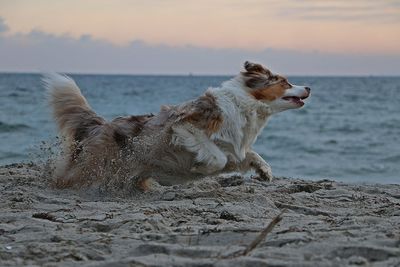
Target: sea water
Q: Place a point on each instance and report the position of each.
(349, 129)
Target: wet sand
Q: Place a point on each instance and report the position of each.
(206, 223)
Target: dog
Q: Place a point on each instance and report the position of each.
(207, 136)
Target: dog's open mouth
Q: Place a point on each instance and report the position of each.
(295, 99)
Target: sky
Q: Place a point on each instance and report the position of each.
(294, 37)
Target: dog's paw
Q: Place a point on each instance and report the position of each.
(264, 172)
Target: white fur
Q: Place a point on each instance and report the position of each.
(57, 82)
(196, 141)
(281, 105)
(244, 117)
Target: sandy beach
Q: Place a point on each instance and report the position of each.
(207, 223)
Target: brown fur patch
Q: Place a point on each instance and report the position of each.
(143, 184)
(120, 137)
(271, 92)
(125, 128)
(203, 113)
(214, 125)
(265, 85)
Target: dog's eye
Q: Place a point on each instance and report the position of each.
(286, 84)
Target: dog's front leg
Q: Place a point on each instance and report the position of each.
(258, 164)
(209, 158)
(210, 164)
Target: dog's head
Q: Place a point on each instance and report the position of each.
(273, 89)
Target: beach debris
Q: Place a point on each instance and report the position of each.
(226, 215)
(263, 234)
(45, 216)
(258, 239)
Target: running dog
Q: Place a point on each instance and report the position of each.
(210, 135)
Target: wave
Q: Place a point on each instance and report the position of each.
(390, 124)
(13, 95)
(6, 127)
(348, 129)
(394, 158)
(22, 89)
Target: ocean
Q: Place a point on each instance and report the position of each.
(349, 129)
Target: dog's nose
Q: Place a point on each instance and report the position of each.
(308, 89)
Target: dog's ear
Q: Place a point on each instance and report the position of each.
(254, 67)
(256, 76)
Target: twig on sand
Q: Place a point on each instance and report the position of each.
(258, 239)
(263, 234)
(45, 216)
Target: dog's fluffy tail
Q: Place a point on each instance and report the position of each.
(71, 111)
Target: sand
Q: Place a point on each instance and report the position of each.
(206, 223)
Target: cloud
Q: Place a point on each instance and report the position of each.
(338, 10)
(39, 51)
(3, 26)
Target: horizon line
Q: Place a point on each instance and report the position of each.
(191, 74)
